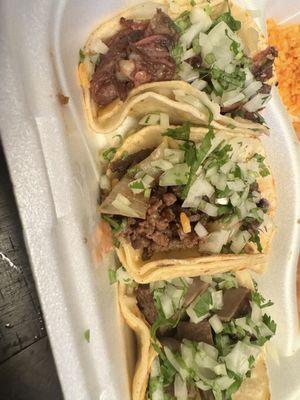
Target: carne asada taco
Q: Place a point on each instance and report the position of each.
(188, 201)
(198, 338)
(215, 47)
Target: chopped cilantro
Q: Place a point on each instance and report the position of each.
(269, 322)
(124, 155)
(176, 52)
(109, 153)
(183, 21)
(260, 300)
(233, 24)
(263, 170)
(137, 185)
(180, 133)
(115, 226)
(87, 335)
(201, 153)
(202, 306)
(112, 276)
(255, 239)
(81, 56)
(195, 44)
(193, 3)
(190, 152)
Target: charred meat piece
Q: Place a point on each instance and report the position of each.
(171, 343)
(152, 60)
(251, 225)
(196, 288)
(235, 304)
(120, 166)
(161, 230)
(200, 332)
(161, 24)
(207, 394)
(137, 54)
(195, 61)
(146, 303)
(263, 61)
(264, 204)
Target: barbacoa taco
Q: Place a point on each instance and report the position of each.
(214, 47)
(188, 201)
(198, 338)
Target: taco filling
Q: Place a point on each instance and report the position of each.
(208, 333)
(200, 46)
(189, 195)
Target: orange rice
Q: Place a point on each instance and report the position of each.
(286, 38)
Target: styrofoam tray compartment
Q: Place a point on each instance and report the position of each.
(51, 156)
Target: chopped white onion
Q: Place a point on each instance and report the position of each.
(223, 201)
(180, 389)
(164, 120)
(252, 88)
(164, 165)
(201, 187)
(219, 181)
(256, 313)
(237, 185)
(216, 323)
(199, 84)
(187, 73)
(237, 359)
(198, 15)
(175, 156)
(232, 100)
(215, 242)
(257, 102)
(239, 241)
(150, 119)
(188, 54)
(200, 230)
(105, 182)
(97, 46)
(190, 33)
(167, 305)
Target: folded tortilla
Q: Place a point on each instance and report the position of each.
(189, 262)
(159, 96)
(256, 387)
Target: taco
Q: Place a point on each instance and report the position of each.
(188, 201)
(215, 47)
(198, 338)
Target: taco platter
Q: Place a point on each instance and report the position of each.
(215, 47)
(187, 195)
(160, 178)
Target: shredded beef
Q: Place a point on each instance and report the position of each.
(263, 61)
(195, 61)
(120, 166)
(161, 230)
(146, 303)
(137, 54)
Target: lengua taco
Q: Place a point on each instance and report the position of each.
(198, 338)
(215, 47)
(184, 202)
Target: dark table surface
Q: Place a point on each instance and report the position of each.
(27, 369)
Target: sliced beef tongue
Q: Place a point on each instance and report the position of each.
(263, 61)
(146, 303)
(120, 166)
(196, 288)
(235, 304)
(172, 343)
(200, 332)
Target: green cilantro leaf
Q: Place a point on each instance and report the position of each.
(87, 335)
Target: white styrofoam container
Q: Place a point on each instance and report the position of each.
(50, 153)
